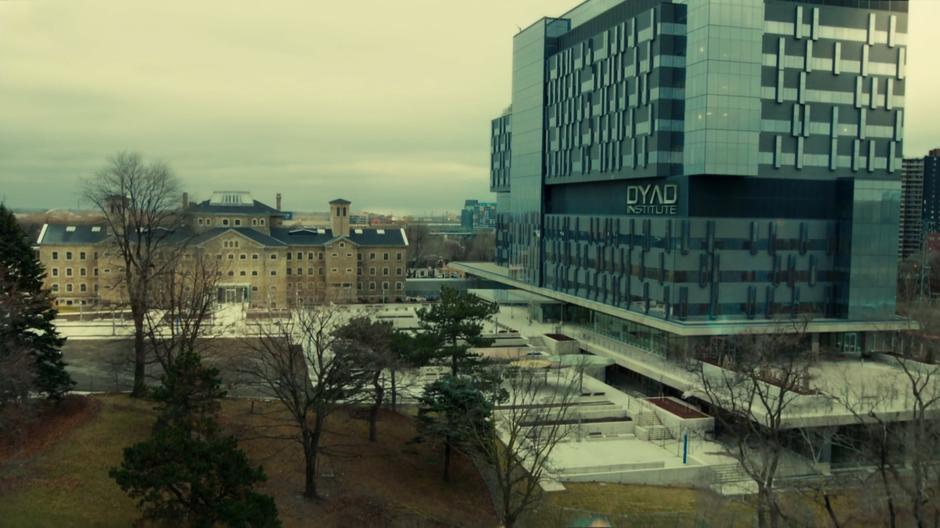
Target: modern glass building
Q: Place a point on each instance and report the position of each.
(710, 165)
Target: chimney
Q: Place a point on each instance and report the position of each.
(185, 200)
(339, 217)
(278, 201)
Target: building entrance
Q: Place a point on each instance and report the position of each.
(232, 294)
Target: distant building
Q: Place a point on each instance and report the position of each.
(920, 202)
(477, 215)
(931, 178)
(910, 227)
(261, 262)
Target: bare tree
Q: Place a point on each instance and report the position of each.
(898, 427)
(482, 247)
(302, 362)
(419, 243)
(183, 301)
(535, 413)
(752, 381)
(139, 202)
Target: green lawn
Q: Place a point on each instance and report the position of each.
(68, 484)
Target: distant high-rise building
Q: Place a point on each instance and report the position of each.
(910, 228)
(684, 168)
(931, 179)
(477, 215)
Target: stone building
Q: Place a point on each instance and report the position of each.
(259, 261)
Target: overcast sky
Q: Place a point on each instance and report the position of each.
(385, 103)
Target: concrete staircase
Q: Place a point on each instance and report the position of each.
(730, 479)
(648, 427)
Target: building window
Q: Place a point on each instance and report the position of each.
(82, 288)
(398, 285)
(254, 221)
(300, 271)
(273, 273)
(225, 221)
(289, 270)
(81, 256)
(55, 272)
(254, 273)
(300, 255)
(384, 271)
(348, 270)
(254, 256)
(335, 255)
(238, 221)
(261, 221)
(68, 272)
(55, 255)
(309, 271)
(289, 255)
(68, 255)
(94, 272)
(83, 272)
(273, 256)
(348, 255)
(243, 257)
(398, 256)
(231, 256)
(310, 256)
(334, 270)
(399, 271)
(371, 285)
(200, 221)
(371, 256)
(342, 244)
(385, 285)
(371, 271)
(68, 287)
(231, 273)
(55, 287)
(385, 256)
(241, 273)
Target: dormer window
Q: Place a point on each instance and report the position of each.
(225, 221)
(254, 221)
(261, 221)
(200, 221)
(238, 221)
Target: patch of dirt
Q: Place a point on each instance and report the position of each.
(50, 423)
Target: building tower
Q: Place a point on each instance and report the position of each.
(339, 217)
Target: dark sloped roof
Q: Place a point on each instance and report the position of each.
(256, 208)
(309, 236)
(61, 234)
(379, 237)
(320, 237)
(340, 201)
(248, 232)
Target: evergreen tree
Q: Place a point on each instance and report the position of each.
(454, 410)
(456, 322)
(26, 321)
(188, 471)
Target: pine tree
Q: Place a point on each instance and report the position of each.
(188, 472)
(29, 310)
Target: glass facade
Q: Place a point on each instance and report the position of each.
(707, 159)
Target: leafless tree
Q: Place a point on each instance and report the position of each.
(752, 381)
(482, 247)
(183, 301)
(419, 242)
(536, 412)
(898, 426)
(139, 202)
(301, 362)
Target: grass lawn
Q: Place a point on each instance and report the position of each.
(387, 483)
(636, 505)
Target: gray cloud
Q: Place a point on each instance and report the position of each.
(384, 103)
